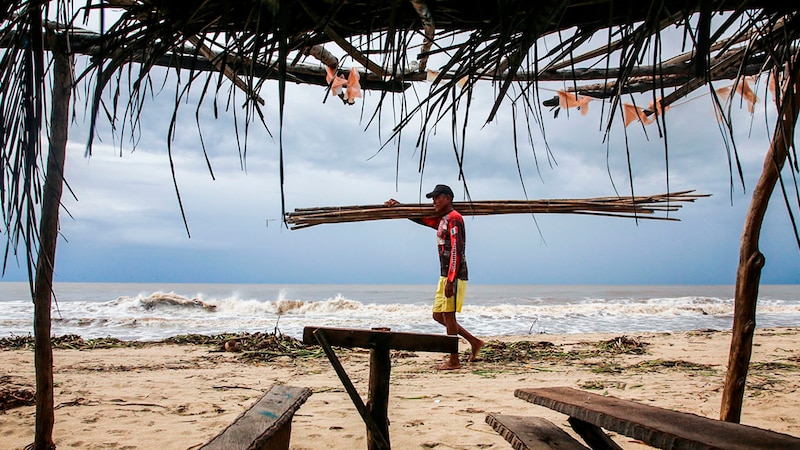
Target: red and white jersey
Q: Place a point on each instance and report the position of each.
(451, 240)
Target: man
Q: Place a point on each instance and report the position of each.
(451, 241)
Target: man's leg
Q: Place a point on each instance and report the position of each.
(475, 343)
(449, 320)
(444, 312)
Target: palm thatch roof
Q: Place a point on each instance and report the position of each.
(598, 48)
(392, 41)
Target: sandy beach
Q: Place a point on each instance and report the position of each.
(179, 396)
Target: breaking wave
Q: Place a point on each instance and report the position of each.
(159, 314)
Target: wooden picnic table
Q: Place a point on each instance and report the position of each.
(657, 427)
(380, 342)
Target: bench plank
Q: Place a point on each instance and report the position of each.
(532, 433)
(264, 426)
(396, 340)
(658, 427)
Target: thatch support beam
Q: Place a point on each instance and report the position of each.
(668, 76)
(344, 44)
(219, 62)
(751, 260)
(641, 79)
(322, 55)
(430, 31)
(679, 72)
(88, 43)
(611, 46)
(299, 73)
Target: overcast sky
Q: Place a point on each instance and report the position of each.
(124, 222)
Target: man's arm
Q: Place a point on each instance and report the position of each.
(455, 256)
(432, 222)
(452, 269)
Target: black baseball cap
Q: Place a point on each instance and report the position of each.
(440, 189)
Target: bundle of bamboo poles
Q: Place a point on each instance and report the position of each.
(640, 207)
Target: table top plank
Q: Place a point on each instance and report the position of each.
(658, 427)
(354, 337)
(532, 433)
(259, 425)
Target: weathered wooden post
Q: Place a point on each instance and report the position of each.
(751, 260)
(48, 236)
(380, 368)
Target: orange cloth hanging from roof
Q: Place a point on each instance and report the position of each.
(631, 112)
(353, 90)
(658, 109)
(743, 89)
(568, 100)
(335, 82)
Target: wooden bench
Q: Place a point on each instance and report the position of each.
(532, 433)
(657, 427)
(375, 412)
(267, 425)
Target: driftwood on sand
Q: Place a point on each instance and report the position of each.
(640, 207)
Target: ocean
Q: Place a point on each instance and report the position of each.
(148, 312)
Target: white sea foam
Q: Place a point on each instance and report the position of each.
(505, 310)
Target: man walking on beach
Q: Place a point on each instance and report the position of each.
(451, 241)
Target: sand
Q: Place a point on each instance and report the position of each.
(178, 397)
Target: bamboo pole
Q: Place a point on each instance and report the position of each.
(48, 236)
(641, 207)
(751, 260)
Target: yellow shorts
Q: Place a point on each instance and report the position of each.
(442, 304)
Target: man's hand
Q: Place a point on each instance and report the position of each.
(449, 289)
(391, 202)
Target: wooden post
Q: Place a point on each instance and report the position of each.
(48, 236)
(380, 367)
(751, 261)
(593, 435)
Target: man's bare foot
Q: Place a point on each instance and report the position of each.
(475, 350)
(447, 365)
